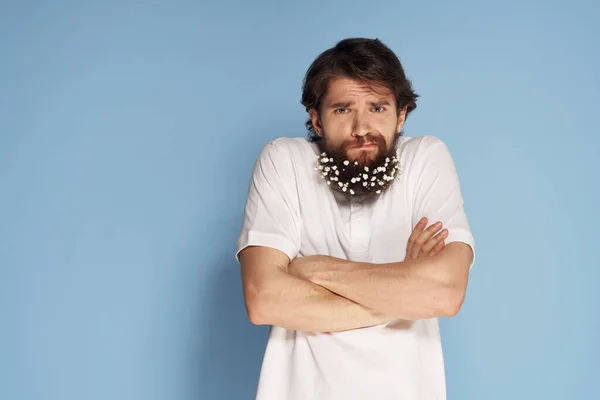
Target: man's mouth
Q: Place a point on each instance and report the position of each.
(365, 145)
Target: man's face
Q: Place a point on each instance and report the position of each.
(357, 121)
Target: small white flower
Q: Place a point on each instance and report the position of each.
(340, 184)
(334, 167)
(324, 159)
(344, 189)
(365, 176)
(346, 162)
(353, 180)
(337, 172)
(323, 154)
(364, 183)
(355, 162)
(351, 191)
(372, 183)
(329, 182)
(327, 168)
(379, 191)
(331, 159)
(380, 183)
(373, 178)
(367, 169)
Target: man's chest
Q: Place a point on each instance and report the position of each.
(372, 232)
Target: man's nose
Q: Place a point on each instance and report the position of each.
(361, 125)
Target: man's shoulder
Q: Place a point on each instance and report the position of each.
(413, 144)
(287, 154)
(289, 149)
(418, 152)
(295, 145)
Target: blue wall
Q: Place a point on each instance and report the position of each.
(128, 132)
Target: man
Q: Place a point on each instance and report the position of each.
(338, 247)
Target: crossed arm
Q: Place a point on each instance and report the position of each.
(327, 294)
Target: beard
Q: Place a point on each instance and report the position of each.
(369, 172)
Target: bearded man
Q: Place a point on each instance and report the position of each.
(354, 240)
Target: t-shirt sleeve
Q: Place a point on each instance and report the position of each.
(271, 216)
(437, 193)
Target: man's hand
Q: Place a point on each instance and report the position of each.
(423, 243)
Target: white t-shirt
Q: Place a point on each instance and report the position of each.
(291, 208)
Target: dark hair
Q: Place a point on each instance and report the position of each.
(367, 60)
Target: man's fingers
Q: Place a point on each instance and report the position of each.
(438, 247)
(415, 234)
(434, 241)
(423, 238)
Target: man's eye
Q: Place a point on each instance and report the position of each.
(379, 109)
(341, 111)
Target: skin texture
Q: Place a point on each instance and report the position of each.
(417, 288)
(273, 296)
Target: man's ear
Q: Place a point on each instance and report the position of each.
(401, 118)
(316, 121)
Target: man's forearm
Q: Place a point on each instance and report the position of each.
(413, 289)
(294, 303)
(404, 290)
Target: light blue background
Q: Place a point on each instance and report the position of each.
(128, 132)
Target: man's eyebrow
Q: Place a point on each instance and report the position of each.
(381, 102)
(344, 104)
(341, 104)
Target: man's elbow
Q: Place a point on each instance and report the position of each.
(255, 317)
(253, 310)
(257, 309)
(453, 302)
